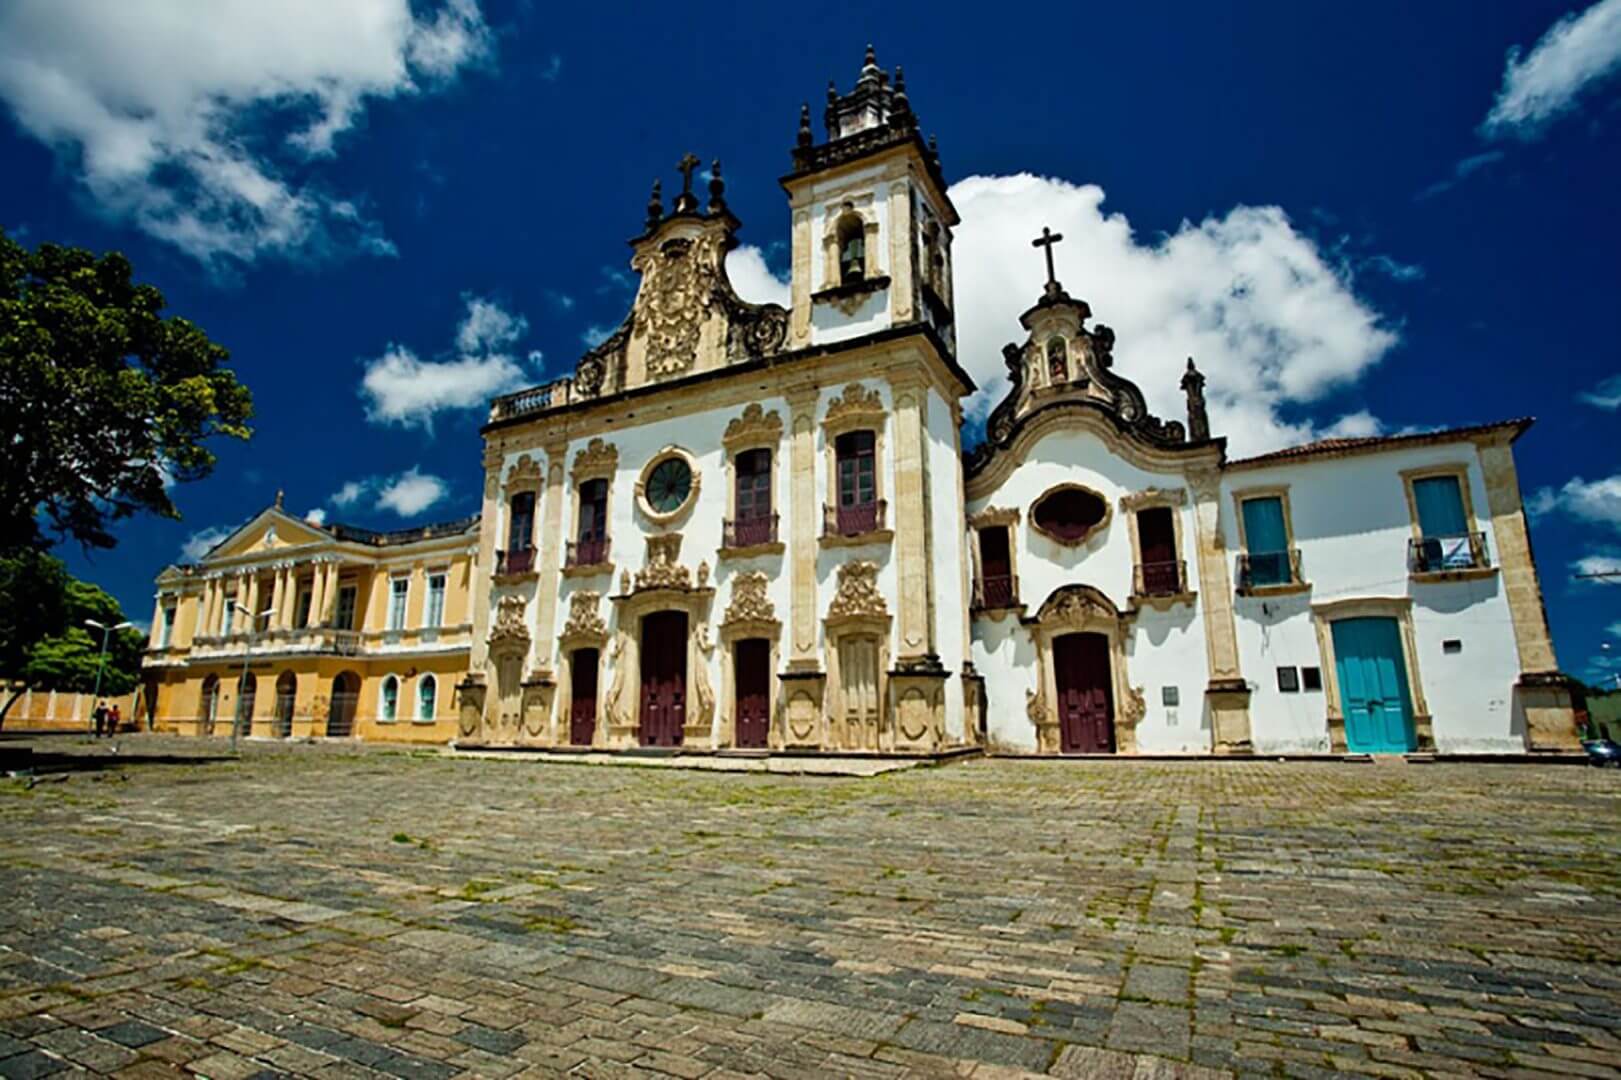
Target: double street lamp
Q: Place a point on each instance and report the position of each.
(101, 661)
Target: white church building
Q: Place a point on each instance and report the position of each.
(745, 527)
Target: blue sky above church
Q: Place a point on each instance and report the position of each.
(1359, 219)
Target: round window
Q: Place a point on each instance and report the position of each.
(1069, 514)
(669, 485)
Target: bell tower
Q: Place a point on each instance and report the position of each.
(871, 218)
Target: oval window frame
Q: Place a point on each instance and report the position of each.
(1101, 525)
(662, 517)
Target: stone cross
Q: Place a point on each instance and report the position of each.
(688, 163)
(1047, 239)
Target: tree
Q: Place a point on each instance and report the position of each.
(103, 400)
(44, 641)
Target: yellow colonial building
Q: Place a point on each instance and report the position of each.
(326, 630)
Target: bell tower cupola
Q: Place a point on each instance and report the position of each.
(871, 218)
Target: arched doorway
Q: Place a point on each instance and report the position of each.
(664, 678)
(1085, 703)
(247, 695)
(286, 697)
(340, 717)
(208, 705)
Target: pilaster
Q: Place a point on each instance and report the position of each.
(802, 518)
(799, 319)
(551, 560)
(901, 290)
(484, 568)
(1227, 694)
(911, 520)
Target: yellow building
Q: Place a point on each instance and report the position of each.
(325, 630)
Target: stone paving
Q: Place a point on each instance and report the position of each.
(309, 910)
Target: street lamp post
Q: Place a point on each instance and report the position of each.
(101, 661)
(247, 654)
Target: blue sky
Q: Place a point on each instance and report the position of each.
(1360, 218)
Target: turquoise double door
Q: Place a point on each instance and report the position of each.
(1373, 686)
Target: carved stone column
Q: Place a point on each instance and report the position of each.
(241, 603)
(551, 559)
(1541, 690)
(314, 616)
(278, 591)
(1227, 694)
(333, 570)
(484, 565)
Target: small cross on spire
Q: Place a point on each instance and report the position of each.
(1047, 239)
(688, 163)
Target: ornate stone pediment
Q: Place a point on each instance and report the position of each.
(749, 600)
(525, 473)
(1137, 500)
(754, 427)
(597, 459)
(678, 290)
(855, 406)
(585, 620)
(509, 634)
(857, 595)
(1075, 605)
(662, 571)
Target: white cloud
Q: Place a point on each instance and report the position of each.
(411, 492)
(349, 493)
(1606, 395)
(316, 516)
(400, 388)
(752, 279)
(1576, 54)
(1460, 172)
(1271, 321)
(200, 543)
(1597, 563)
(198, 124)
(1598, 502)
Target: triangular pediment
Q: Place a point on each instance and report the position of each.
(269, 530)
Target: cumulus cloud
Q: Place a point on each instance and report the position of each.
(401, 388)
(411, 492)
(200, 543)
(348, 494)
(752, 279)
(1597, 502)
(1577, 53)
(1606, 395)
(199, 124)
(1272, 321)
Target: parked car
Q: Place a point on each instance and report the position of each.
(1602, 752)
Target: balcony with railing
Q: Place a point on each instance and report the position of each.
(996, 592)
(738, 534)
(515, 562)
(1169, 578)
(860, 522)
(587, 554)
(1445, 555)
(1262, 572)
(536, 399)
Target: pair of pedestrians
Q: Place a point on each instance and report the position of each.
(107, 719)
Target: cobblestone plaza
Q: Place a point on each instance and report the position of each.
(313, 910)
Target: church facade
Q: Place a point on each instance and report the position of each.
(744, 527)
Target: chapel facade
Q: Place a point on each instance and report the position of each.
(744, 527)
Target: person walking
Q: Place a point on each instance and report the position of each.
(113, 720)
(100, 716)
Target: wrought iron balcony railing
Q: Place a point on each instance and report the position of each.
(515, 561)
(854, 520)
(995, 591)
(747, 532)
(592, 552)
(1260, 569)
(1438, 554)
(1160, 578)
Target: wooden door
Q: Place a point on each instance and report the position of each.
(751, 663)
(1085, 704)
(1372, 670)
(664, 678)
(582, 710)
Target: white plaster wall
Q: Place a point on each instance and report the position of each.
(1164, 649)
(1351, 523)
(949, 553)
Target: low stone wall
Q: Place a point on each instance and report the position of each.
(48, 710)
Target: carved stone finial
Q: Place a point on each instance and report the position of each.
(900, 106)
(870, 62)
(655, 206)
(717, 188)
(805, 136)
(1198, 417)
(280, 499)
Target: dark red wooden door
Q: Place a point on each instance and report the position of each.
(1085, 709)
(752, 662)
(664, 678)
(582, 711)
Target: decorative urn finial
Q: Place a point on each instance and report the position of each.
(717, 188)
(1198, 417)
(805, 136)
(655, 206)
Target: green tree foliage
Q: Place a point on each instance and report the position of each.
(102, 398)
(44, 641)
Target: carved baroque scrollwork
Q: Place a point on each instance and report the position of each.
(584, 617)
(597, 459)
(753, 428)
(854, 406)
(525, 473)
(662, 571)
(678, 291)
(509, 634)
(857, 595)
(749, 600)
